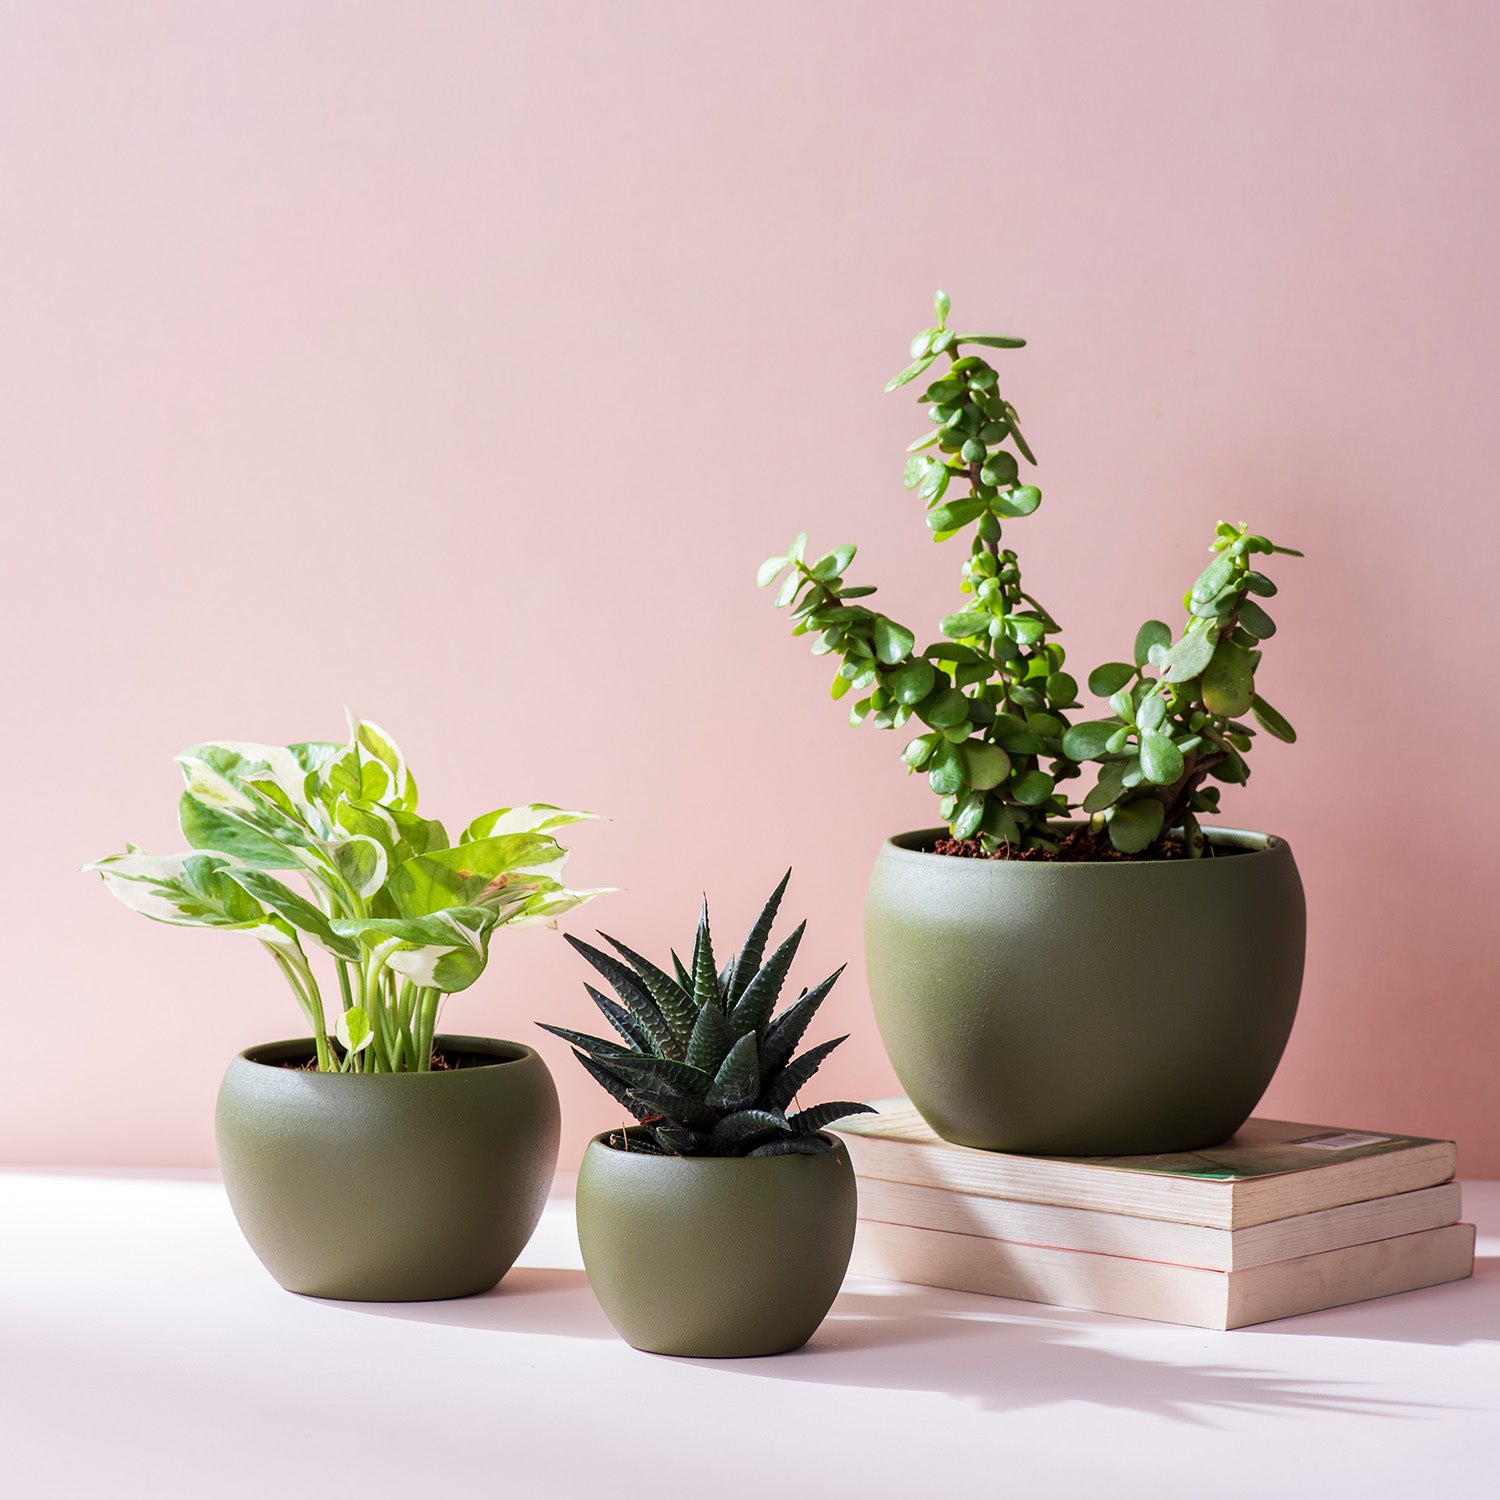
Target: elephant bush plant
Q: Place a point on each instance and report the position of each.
(998, 741)
(405, 914)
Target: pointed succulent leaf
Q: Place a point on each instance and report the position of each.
(678, 1077)
(787, 1029)
(674, 1003)
(738, 1080)
(748, 1124)
(711, 1040)
(793, 1145)
(616, 1088)
(705, 989)
(675, 1108)
(622, 1021)
(744, 966)
(758, 1000)
(582, 1041)
(809, 1121)
(680, 969)
(632, 994)
(783, 1088)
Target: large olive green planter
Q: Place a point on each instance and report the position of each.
(1089, 1009)
(715, 1257)
(388, 1187)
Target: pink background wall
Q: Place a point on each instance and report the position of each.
(463, 361)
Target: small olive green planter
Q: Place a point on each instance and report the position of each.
(715, 1257)
(1108, 1009)
(388, 1187)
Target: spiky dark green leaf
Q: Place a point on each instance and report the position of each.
(738, 1080)
(711, 1040)
(787, 1029)
(674, 1003)
(746, 963)
(632, 994)
(705, 967)
(808, 1121)
(784, 1087)
(754, 1007)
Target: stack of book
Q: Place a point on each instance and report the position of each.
(1282, 1219)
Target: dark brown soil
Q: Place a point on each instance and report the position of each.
(1078, 847)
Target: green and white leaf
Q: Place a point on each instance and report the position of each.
(446, 951)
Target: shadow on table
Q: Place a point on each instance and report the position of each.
(1460, 1312)
(530, 1299)
(921, 1339)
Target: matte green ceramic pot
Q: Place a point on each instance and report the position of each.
(1111, 1009)
(388, 1187)
(715, 1257)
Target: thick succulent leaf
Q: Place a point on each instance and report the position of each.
(746, 963)
(784, 1087)
(616, 1088)
(711, 1040)
(446, 951)
(1135, 824)
(632, 994)
(820, 1115)
(622, 1021)
(674, 1003)
(758, 1000)
(749, 1124)
(794, 1145)
(297, 910)
(737, 1082)
(677, 1109)
(786, 1030)
(582, 1041)
(535, 817)
(705, 969)
(684, 978)
(678, 1140)
(651, 1072)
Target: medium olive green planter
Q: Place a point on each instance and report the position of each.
(388, 1187)
(1106, 1009)
(715, 1257)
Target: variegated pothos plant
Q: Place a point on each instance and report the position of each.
(405, 915)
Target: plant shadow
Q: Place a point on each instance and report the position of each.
(921, 1339)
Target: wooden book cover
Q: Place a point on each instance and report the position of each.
(1271, 1169)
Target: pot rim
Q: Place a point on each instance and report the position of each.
(500, 1052)
(1248, 841)
(700, 1162)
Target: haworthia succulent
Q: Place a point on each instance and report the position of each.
(722, 1087)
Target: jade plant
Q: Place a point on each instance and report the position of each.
(704, 1064)
(405, 913)
(998, 740)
